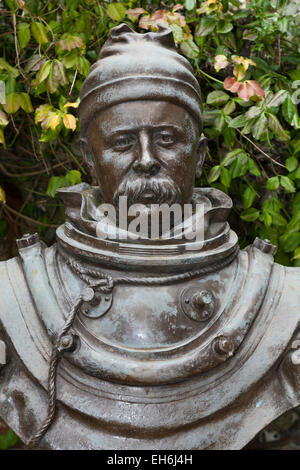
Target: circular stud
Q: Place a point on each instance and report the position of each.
(67, 343)
(223, 346)
(198, 305)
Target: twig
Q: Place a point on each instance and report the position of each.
(258, 148)
(32, 173)
(73, 82)
(29, 219)
(17, 47)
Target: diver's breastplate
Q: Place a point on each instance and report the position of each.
(154, 364)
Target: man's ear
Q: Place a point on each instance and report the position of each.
(201, 155)
(86, 151)
(88, 156)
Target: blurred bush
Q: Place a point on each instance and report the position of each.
(246, 58)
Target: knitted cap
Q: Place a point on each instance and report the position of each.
(133, 66)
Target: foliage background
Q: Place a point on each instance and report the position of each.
(246, 57)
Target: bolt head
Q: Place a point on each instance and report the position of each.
(224, 346)
(28, 239)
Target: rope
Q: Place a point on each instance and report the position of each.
(96, 278)
(54, 360)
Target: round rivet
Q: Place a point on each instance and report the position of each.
(198, 305)
(88, 294)
(223, 346)
(295, 357)
(67, 343)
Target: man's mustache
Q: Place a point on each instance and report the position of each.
(163, 188)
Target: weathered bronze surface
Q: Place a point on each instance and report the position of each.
(145, 344)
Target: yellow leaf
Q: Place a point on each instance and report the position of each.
(73, 105)
(54, 121)
(2, 195)
(3, 119)
(220, 62)
(70, 121)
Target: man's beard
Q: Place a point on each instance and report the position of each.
(163, 191)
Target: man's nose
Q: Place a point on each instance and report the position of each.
(146, 163)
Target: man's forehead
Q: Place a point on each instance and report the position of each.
(144, 113)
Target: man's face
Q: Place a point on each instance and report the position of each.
(147, 151)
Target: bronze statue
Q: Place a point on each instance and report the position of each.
(165, 343)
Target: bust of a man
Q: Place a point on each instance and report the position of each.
(134, 334)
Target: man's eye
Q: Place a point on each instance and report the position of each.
(123, 142)
(166, 139)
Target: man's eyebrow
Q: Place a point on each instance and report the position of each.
(124, 130)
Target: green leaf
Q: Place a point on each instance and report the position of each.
(231, 156)
(116, 11)
(237, 122)
(214, 173)
(52, 81)
(239, 167)
(266, 218)
(189, 49)
(23, 34)
(12, 103)
(217, 98)
(253, 112)
(39, 32)
(260, 126)
(229, 136)
(277, 219)
(288, 110)
(278, 130)
(275, 100)
(225, 177)
(12, 71)
(229, 107)
(73, 177)
(291, 164)
(8, 440)
(290, 241)
(83, 65)
(219, 123)
(250, 215)
(44, 71)
(297, 253)
(25, 102)
(273, 183)
(253, 168)
(189, 5)
(287, 184)
(248, 197)
(206, 26)
(224, 27)
(210, 115)
(55, 183)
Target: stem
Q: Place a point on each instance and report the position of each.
(209, 76)
(258, 148)
(73, 156)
